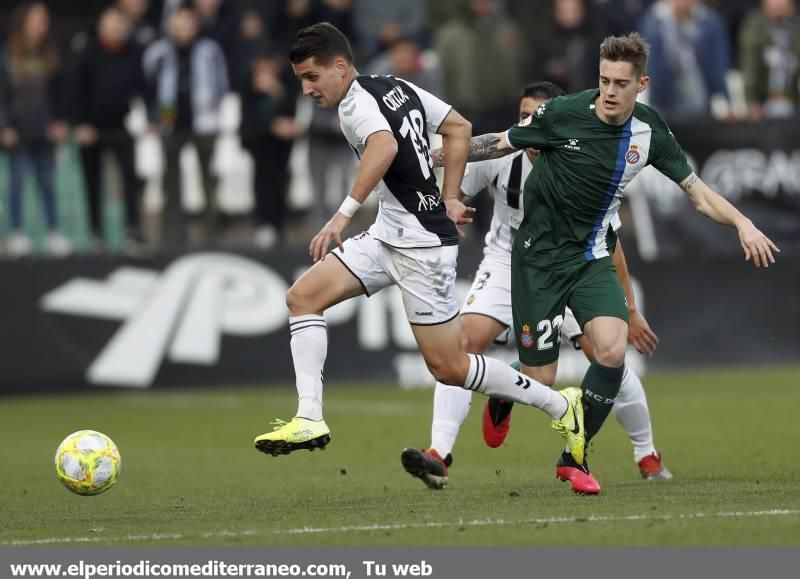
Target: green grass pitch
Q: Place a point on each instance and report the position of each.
(191, 476)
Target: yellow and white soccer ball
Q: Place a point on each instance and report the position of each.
(88, 462)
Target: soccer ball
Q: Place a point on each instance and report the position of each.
(88, 462)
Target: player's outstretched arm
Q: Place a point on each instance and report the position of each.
(708, 202)
(489, 146)
(378, 155)
(481, 148)
(456, 132)
(640, 335)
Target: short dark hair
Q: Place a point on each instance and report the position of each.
(322, 41)
(541, 90)
(629, 48)
(185, 9)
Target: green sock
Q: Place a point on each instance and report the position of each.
(600, 387)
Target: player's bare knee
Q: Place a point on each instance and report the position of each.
(299, 301)
(293, 300)
(611, 355)
(447, 371)
(472, 344)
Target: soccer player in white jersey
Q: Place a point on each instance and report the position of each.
(412, 244)
(486, 319)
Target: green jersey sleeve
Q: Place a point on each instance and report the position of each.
(668, 156)
(535, 131)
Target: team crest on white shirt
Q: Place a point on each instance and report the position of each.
(633, 156)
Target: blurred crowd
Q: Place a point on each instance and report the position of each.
(145, 80)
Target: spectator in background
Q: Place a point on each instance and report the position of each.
(251, 40)
(441, 12)
(267, 132)
(380, 24)
(569, 58)
(143, 32)
(620, 17)
(689, 58)
(285, 18)
(168, 8)
(769, 49)
(330, 161)
(405, 59)
(340, 14)
(482, 61)
(187, 78)
(106, 78)
(220, 21)
(536, 18)
(732, 13)
(31, 120)
(295, 15)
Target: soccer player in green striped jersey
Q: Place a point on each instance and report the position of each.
(592, 144)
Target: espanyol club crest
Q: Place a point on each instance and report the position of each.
(632, 156)
(526, 338)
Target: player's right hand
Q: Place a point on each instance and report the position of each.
(331, 232)
(640, 335)
(437, 158)
(459, 213)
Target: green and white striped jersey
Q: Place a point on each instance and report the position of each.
(578, 182)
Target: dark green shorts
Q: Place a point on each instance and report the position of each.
(539, 296)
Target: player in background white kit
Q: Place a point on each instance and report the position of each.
(413, 242)
(486, 319)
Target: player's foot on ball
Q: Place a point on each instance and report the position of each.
(578, 475)
(297, 434)
(652, 468)
(496, 421)
(427, 465)
(570, 426)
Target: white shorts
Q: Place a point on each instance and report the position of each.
(490, 296)
(426, 276)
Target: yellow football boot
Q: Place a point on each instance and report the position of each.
(570, 426)
(296, 434)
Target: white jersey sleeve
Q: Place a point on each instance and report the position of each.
(479, 176)
(435, 108)
(616, 222)
(360, 116)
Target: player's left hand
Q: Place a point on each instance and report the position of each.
(756, 245)
(640, 335)
(437, 158)
(331, 232)
(458, 213)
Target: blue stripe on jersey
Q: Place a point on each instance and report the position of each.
(619, 170)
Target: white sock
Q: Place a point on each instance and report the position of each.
(632, 413)
(495, 378)
(309, 347)
(450, 408)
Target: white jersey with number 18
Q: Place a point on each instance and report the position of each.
(411, 213)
